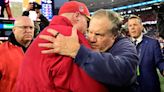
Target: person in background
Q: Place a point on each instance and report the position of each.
(113, 58)
(36, 29)
(12, 52)
(35, 7)
(150, 56)
(159, 10)
(4, 4)
(160, 23)
(53, 72)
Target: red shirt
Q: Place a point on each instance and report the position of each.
(10, 59)
(53, 72)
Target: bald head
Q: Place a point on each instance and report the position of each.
(20, 19)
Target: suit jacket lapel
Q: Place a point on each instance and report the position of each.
(144, 45)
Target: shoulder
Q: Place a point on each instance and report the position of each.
(5, 45)
(149, 39)
(123, 41)
(62, 29)
(124, 44)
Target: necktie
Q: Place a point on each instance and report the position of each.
(135, 42)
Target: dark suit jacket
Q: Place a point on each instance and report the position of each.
(116, 67)
(150, 58)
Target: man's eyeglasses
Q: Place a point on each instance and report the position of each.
(26, 27)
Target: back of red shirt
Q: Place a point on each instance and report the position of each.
(53, 72)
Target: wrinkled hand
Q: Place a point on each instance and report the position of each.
(63, 45)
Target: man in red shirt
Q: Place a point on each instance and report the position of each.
(53, 72)
(12, 52)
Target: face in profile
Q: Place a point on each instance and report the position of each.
(135, 27)
(80, 21)
(24, 30)
(99, 35)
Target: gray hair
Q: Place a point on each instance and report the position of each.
(114, 17)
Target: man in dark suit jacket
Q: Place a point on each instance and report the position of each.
(150, 57)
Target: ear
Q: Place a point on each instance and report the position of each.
(13, 29)
(142, 28)
(114, 37)
(76, 17)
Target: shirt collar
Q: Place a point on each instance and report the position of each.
(14, 42)
(139, 39)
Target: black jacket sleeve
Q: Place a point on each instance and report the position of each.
(116, 67)
(43, 22)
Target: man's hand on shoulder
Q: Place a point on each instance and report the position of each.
(63, 45)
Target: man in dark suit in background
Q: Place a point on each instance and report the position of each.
(150, 56)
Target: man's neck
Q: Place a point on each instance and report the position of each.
(139, 38)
